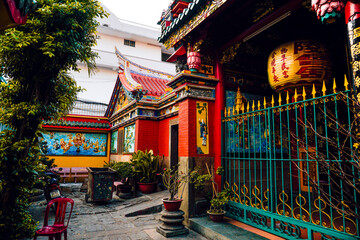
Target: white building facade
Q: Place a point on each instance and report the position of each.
(136, 42)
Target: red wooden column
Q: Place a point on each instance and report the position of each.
(218, 110)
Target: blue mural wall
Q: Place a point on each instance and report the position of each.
(73, 144)
(253, 138)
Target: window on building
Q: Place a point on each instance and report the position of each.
(129, 43)
(121, 141)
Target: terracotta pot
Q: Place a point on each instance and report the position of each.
(172, 205)
(194, 61)
(216, 217)
(147, 187)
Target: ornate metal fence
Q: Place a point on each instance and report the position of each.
(292, 164)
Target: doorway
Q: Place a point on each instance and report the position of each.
(174, 143)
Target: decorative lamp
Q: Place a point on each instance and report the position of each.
(194, 61)
(328, 10)
(193, 56)
(298, 63)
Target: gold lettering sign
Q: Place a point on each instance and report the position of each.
(202, 128)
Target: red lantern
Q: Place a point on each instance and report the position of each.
(194, 61)
(328, 10)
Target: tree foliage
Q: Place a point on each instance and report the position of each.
(36, 58)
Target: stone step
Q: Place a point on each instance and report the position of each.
(221, 231)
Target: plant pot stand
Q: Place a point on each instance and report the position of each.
(172, 224)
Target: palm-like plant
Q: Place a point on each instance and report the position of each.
(145, 166)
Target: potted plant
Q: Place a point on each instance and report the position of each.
(124, 173)
(173, 179)
(145, 168)
(216, 212)
(218, 199)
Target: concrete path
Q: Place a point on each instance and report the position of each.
(116, 220)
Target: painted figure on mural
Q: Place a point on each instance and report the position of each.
(203, 131)
(78, 141)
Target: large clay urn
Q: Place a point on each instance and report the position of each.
(298, 63)
(194, 61)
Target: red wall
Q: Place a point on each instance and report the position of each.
(146, 135)
(187, 128)
(153, 135)
(164, 136)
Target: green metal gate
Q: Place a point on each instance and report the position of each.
(292, 164)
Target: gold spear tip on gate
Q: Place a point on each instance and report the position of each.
(253, 105)
(259, 104)
(295, 95)
(324, 88)
(280, 99)
(304, 93)
(313, 91)
(272, 101)
(287, 97)
(334, 86)
(248, 106)
(225, 112)
(264, 102)
(346, 83)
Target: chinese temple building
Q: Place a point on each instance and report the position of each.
(265, 89)
(283, 75)
(154, 110)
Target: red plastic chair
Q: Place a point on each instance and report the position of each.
(58, 228)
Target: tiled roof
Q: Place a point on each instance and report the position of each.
(137, 80)
(153, 86)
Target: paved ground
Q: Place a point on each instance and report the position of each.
(109, 221)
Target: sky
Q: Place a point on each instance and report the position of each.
(140, 11)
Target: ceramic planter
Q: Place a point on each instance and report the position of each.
(216, 217)
(172, 205)
(147, 187)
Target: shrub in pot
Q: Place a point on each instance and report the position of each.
(174, 179)
(145, 168)
(124, 174)
(218, 199)
(216, 212)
